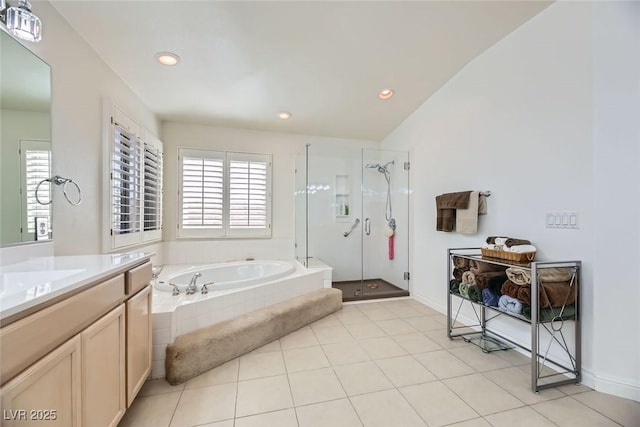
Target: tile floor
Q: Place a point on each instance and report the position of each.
(380, 364)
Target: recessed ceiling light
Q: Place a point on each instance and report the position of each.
(167, 58)
(385, 94)
(284, 115)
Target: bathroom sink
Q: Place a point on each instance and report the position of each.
(33, 283)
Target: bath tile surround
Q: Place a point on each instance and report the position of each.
(379, 374)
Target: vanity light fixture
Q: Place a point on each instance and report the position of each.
(20, 21)
(284, 115)
(167, 58)
(385, 93)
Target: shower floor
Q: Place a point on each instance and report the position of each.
(356, 290)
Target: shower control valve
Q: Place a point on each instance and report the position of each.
(204, 289)
(175, 291)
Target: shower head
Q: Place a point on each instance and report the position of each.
(381, 168)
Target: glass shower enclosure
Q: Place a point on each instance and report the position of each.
(352, 214)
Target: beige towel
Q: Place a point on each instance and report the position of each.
(519, 276)
(467, 219)
(482, 205)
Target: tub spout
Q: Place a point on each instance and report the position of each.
(191, 289)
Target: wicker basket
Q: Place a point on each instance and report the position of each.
(508, 256)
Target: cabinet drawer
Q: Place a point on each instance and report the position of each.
(137, 278)
(29, 339)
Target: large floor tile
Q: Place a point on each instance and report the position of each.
(479, 360)
(569, 412)
(385, 409)
(330, 320)
(362, 378)
(404, 370)
(365, 330)
(205, 405)
(151, 411)
(623, 411)
(223, 374)
(379, 314)
(518, 383)
(437, 404)
(521, 417)
(158, 386)
(263, 395)
(315, 386)
(284, 418)
(305, 359)
(443, 364)
(301, 338)
(440, 337)
(337, 413)
(415, 343)
(332, 334)
(514, 357)
(226, 423)
(344, 353)
(354, 316)
(482, 395)
(380, 348)
(404, 310)
(395, 327)
(259, 365)
(476, 422)
(424, 323)
(272, 346)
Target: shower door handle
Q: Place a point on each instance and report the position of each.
(367, 226)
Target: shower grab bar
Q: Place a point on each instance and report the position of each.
(367, 226)
(355, 224)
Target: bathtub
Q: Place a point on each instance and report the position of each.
(239, 288)
(229, 275)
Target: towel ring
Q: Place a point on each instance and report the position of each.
(59, 180)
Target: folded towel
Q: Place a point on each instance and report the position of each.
(520, 248)
(482, 279)
(519, 276)
(467, 218)
(494, 284)
(549, 314)
(462, 263)
(482, 205)
(457, 273)
(514, 242)
(454, 285)
(469, 278)
(492, 239)
(464, 289)
(482, 267)
(489, 246)
(509, 288)
(500, 241)
(551, 294)
(556, 274)
(475, 293)
(489, 298)
(446, 205)
(512, 305)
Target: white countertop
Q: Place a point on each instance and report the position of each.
(30, 283)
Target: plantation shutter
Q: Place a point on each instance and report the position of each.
(152, 187)
(125, 177)
(37, 168)
(248, 191)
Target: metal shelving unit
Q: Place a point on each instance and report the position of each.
(552, 328)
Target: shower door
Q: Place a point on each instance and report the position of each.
(385, 232)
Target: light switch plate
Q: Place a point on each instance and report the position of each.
(562, 220)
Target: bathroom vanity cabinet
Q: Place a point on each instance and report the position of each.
(81, 360)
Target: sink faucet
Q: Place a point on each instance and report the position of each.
(191, 289)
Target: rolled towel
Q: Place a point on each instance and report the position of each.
(514, 242)
(512, 305)
(520, 249)
(489, 298)
(464, 289)
(482, 279)
(475, 293)
(556, 274)
(488, 246)
(469, 278)
(492, 239)
(495, 284)
(454, 285)
(519, 276)
(549, 314)
(551, 294)
(481, 267)
(500, 241)
(461, 263)
(510, 289)
(457, 273)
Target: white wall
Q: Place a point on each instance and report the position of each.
(519, 121)
(283, 147)
(80, 80)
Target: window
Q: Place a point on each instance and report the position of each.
(135, 184)
(224, 194)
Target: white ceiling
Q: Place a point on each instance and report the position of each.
(325, 62)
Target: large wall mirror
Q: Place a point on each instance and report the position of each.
(25, 144)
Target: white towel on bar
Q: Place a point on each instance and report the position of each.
(467, 219)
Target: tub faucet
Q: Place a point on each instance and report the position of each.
(192, 289)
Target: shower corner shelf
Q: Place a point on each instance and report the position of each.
(552, 330)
